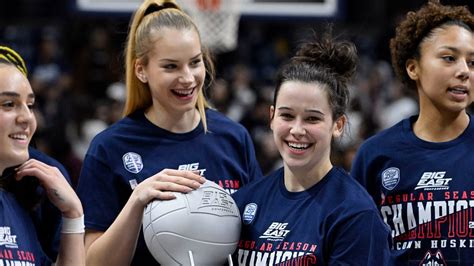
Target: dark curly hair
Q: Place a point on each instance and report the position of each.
(419, 25)
(329, 62)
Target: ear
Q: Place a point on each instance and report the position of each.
(412, 68)
(140, 71)
(339, 126)
(272, 114)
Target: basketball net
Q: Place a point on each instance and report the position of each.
(217, 20)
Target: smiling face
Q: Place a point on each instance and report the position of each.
(17, 120)
(175, 70)
(445, 71)
(303, 127)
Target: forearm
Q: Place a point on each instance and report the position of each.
(71, 250)
(117, 245)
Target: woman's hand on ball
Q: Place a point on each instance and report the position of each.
(163, 184)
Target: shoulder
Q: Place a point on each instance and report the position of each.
(346, 193)
(386, 139)
(42, 157)
(470, 129)
(116, 128)
(258, 186)
(392, 133)
(220, 122)
(127, 127)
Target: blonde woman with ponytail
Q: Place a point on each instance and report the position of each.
(168, 141)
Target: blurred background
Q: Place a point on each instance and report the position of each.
(74, 53)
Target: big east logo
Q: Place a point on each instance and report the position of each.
(192, 167)
(276, 231)
(433, 181)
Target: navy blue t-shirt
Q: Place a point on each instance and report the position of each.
(334, 222)
(19, 244)
(134, 149)
(424, 191)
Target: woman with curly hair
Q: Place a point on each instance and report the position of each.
(309, 212)
(420, 172)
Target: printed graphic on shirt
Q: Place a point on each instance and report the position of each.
(390, 178)
(10, 253)
(192, 167)
(229, 185)
(433, 181)
(133, 183)
(132, 162)
(249, 213)
(418, 216)
(273, 250)
(276, 232)
(7, 239)
(431, 220)
(435, 259)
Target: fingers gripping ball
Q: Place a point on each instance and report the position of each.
(205, 221)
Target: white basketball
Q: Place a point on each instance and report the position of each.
(205, 221)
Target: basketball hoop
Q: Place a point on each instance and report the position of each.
(217, 20)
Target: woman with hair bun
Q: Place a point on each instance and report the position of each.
(310, 212)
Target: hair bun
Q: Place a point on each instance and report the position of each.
(339, 57)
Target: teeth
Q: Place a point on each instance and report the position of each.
(19, 136)
(298, 145)
(184, 92)
(458, 90)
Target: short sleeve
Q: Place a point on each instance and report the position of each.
(362, 239)
(362, 172)
(254, 170)
(101, 194)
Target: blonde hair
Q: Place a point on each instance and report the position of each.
(151, 17)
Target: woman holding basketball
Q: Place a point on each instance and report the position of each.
(169, 139)
(420, 172)
(20, 176)
(310, 212)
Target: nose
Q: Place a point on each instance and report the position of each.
(297, 128)
(464, 70)
(186, 76)
(25, 115)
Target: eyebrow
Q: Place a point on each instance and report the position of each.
(16, 95)
(454, 49)
(173, 60)
(284, 108)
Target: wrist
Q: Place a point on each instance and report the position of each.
(73, 225)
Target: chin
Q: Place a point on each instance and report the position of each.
(20, 158)
(295, 163)
(187, 108)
